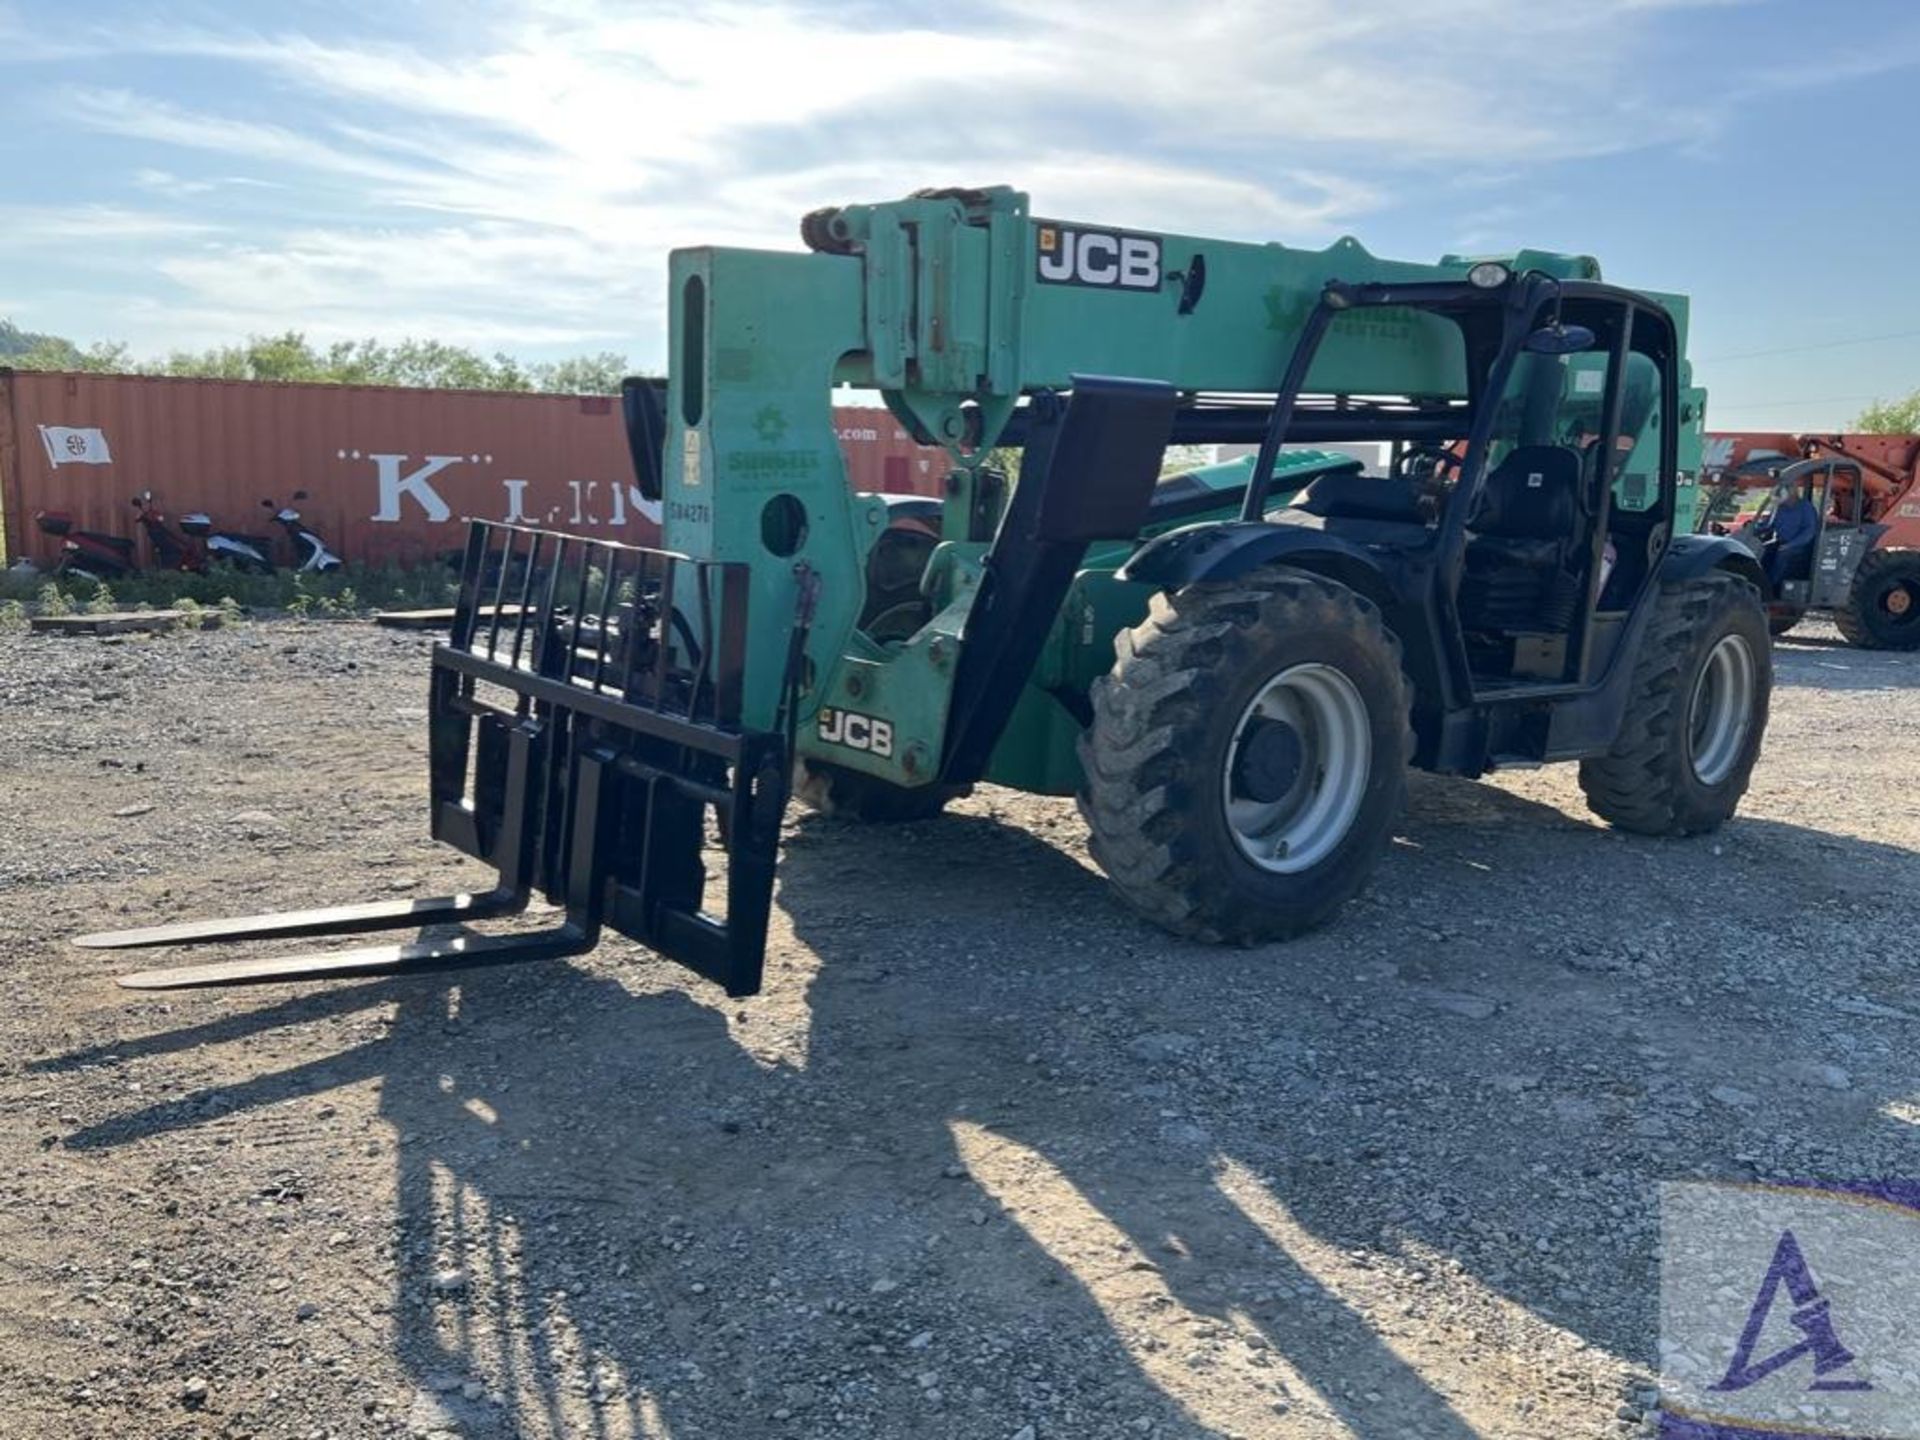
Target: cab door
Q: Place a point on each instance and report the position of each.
(1843, 541)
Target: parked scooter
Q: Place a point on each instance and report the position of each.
(310, 552)
(170, 551)
(249, 554)
(86, 554)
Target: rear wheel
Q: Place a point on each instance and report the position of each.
(852, 795)
(1701, 685)
(1247, 756)
(1883, 607)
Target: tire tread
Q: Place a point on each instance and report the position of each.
(1635, 785)
(1167, 671)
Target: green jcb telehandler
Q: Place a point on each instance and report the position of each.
(1232, 669)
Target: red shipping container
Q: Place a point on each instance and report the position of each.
(390, 473)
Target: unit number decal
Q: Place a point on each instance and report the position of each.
(856, 731)
(1103, 259)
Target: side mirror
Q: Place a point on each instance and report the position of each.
(1559, 340)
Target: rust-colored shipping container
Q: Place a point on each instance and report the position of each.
(390, 473)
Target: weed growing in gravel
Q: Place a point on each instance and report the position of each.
(354, 590)
(13, 615)
(202, 617)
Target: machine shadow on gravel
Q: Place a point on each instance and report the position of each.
(636, 1142)
(1583, 1126)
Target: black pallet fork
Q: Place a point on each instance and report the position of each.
(576, 747)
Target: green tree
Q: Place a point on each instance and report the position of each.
(15, 341)
(30, 350)
(583, 375)
(262, 357)
(1181, 458)
(1891, 417)
(292, 356)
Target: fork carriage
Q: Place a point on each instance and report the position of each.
(585, 715)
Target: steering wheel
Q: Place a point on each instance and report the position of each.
(1426, 464)
(1432, 470)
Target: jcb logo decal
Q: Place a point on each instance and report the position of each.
(1104, 259)
(856, 731)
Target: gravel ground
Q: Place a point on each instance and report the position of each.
(988, 1159)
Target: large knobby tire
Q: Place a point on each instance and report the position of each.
(851, 795)
(1231, 713)
(1701, 686)
(1883, 606)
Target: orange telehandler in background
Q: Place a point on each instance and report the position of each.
(1863, 567)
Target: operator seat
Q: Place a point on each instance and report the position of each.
(1523, 568)
(1373, 510)
(1351, 495)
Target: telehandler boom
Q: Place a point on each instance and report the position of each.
(1231, 668)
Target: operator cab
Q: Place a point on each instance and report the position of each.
(1540, 500)
(1818, 572)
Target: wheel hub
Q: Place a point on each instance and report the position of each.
(1297, 768)
(1899, 600)
(1721, 711)
(1271, 757)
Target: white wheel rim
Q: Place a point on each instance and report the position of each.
(1721, 712)
(1332, 739)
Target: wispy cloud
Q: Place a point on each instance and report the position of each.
(124, 113)
(177, 187)
(484, 284)
(523, 174)
(26, 228)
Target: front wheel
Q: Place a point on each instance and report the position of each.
(1701, 686)
(1247, 756)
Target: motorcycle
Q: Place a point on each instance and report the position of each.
(249, 554)
(86, 554)
(170, 551)
(310, 552)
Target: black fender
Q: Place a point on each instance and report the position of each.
(1691, 556)
(1873, 534)
(1227, 550)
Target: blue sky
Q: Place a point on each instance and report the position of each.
(510, 175)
